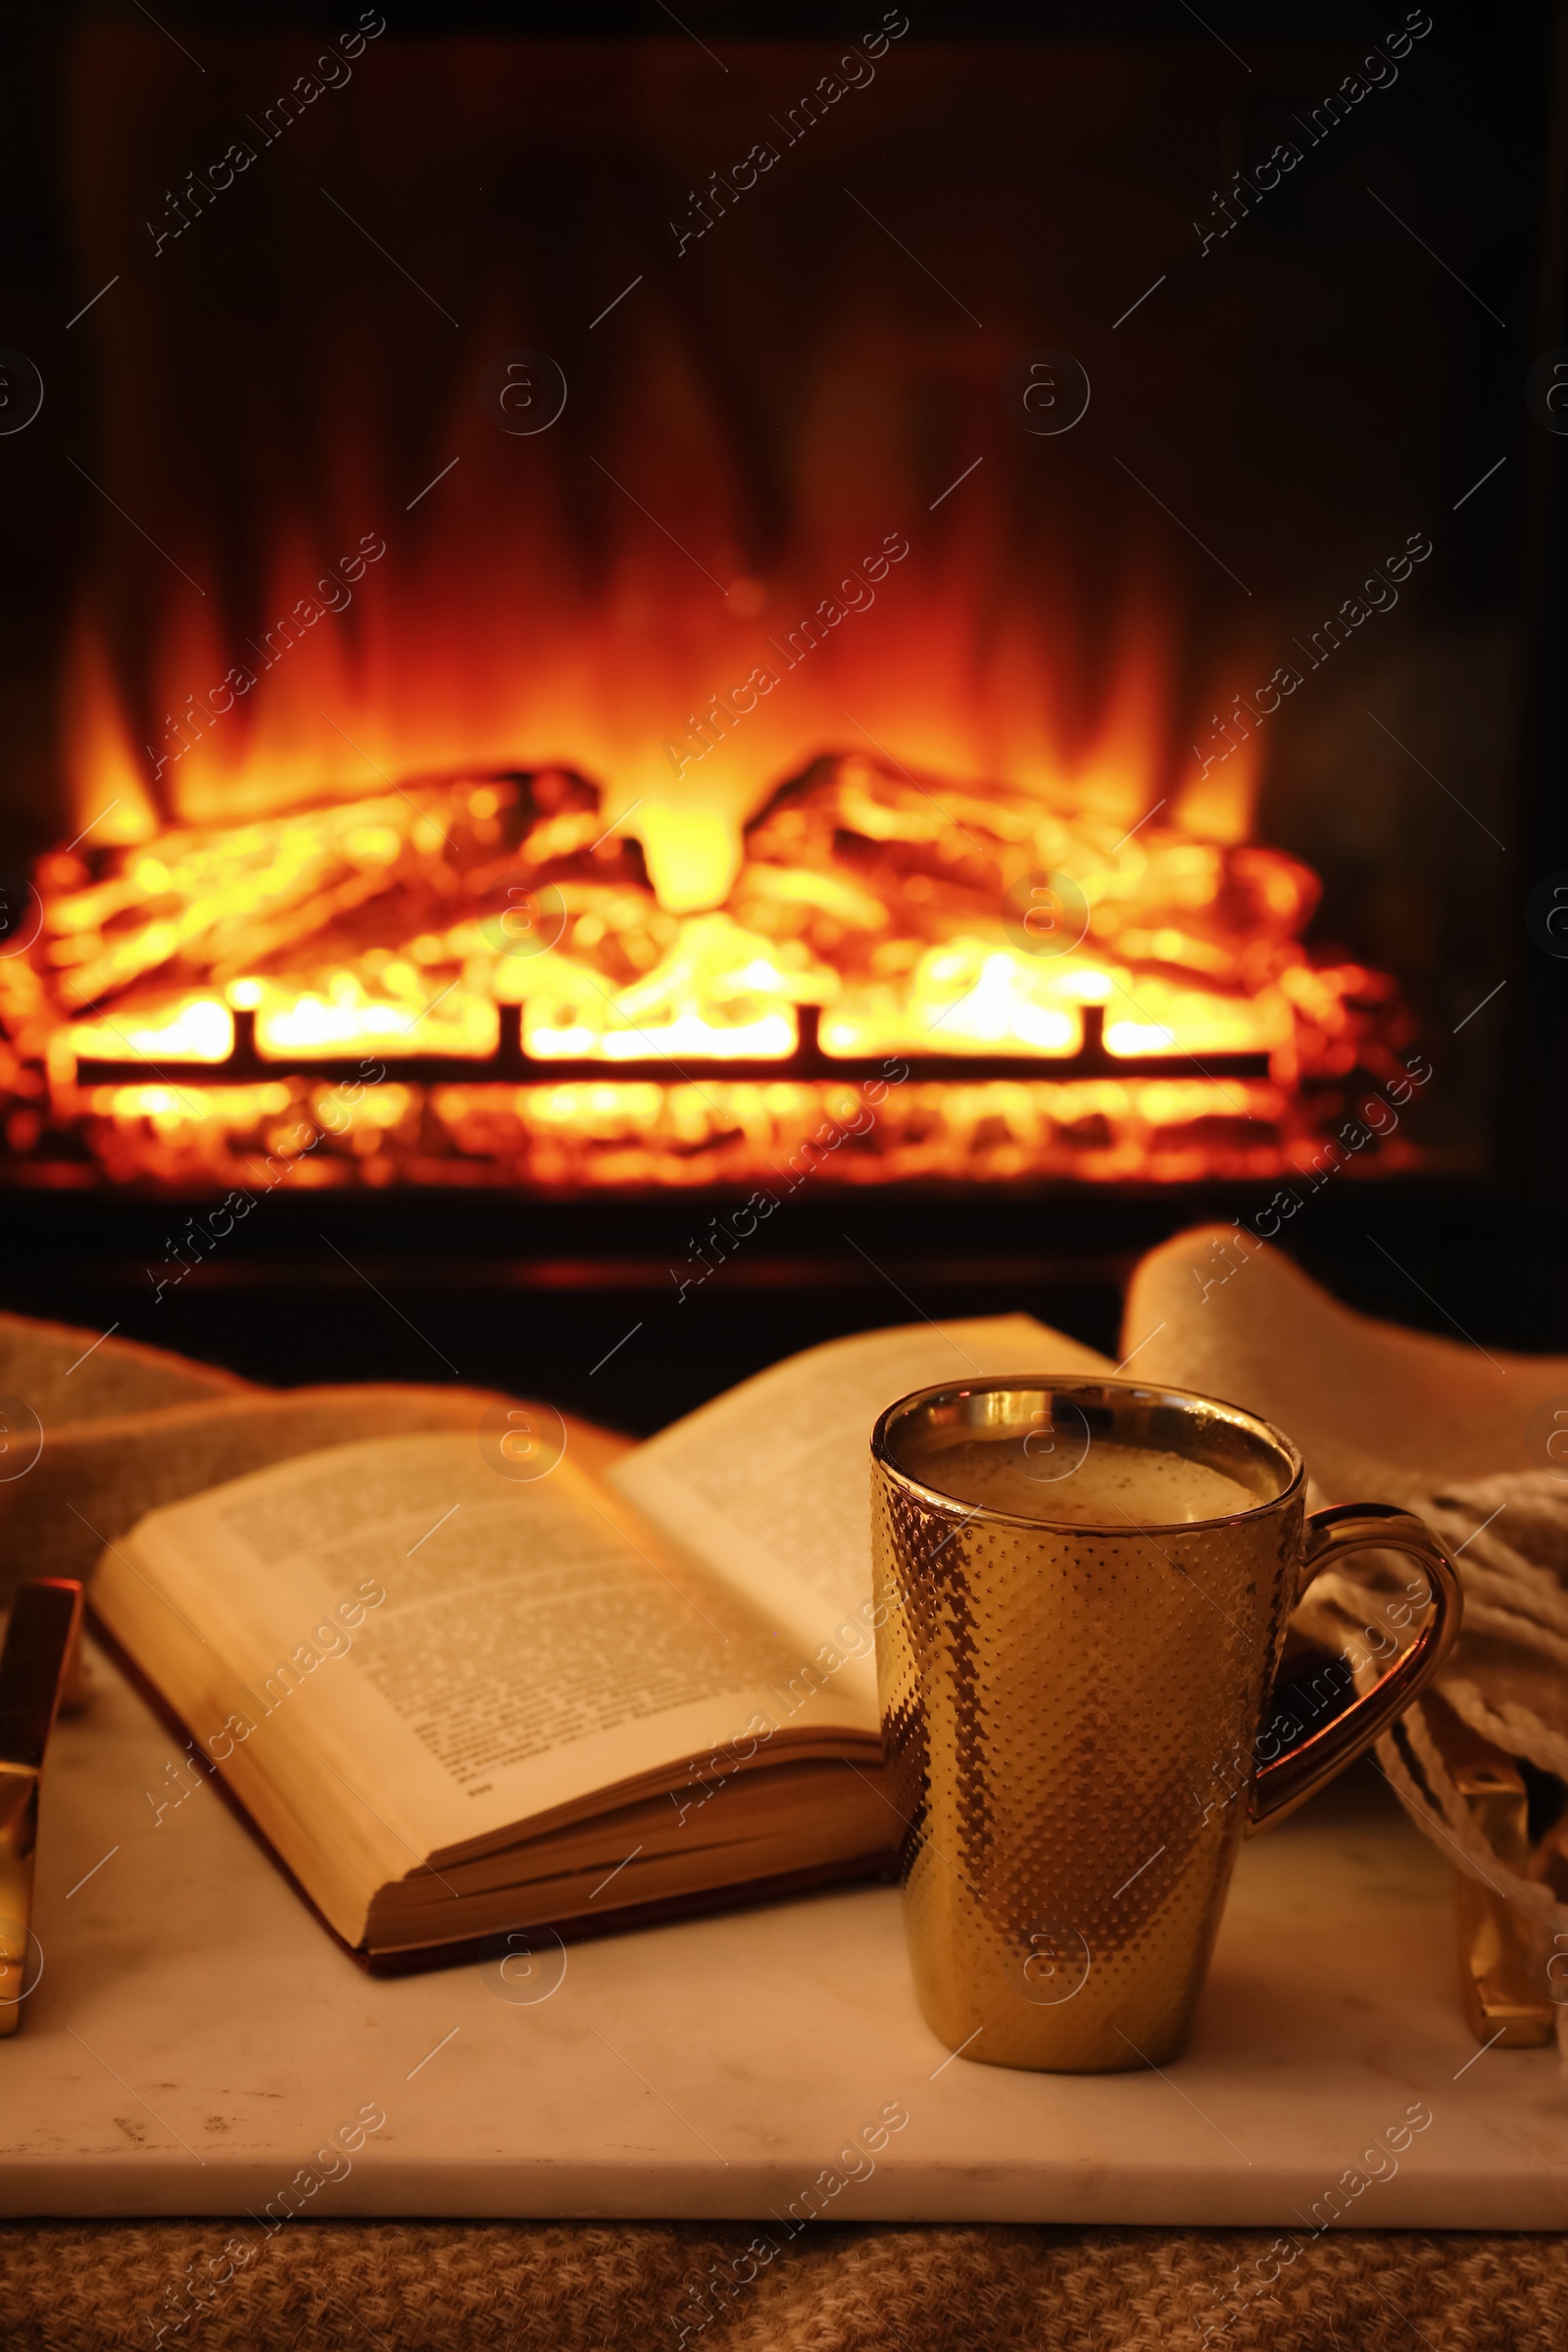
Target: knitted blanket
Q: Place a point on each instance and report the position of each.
(1473, 1440)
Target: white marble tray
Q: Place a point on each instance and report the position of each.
(196, 2037)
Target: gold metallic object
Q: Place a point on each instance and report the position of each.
(41, 1640)
(1077, 1717)
(1502, 1960)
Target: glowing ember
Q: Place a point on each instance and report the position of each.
(1034, 988)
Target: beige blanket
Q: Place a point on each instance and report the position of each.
(96, 1432)
(1464, 1436)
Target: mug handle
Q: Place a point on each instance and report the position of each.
(1288, 1780)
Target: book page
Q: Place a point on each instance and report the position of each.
(771, 1483)
(459, 1651)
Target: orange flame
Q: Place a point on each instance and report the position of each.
(406, 925)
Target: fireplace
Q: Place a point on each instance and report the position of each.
(681, 616)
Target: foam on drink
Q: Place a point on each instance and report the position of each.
(1055, 1475)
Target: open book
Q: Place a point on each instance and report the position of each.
(459, 1702)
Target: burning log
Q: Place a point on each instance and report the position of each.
(1055, 989)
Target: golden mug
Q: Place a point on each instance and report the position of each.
(1075, 1695)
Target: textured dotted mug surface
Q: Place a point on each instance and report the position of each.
(1071, 1711)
